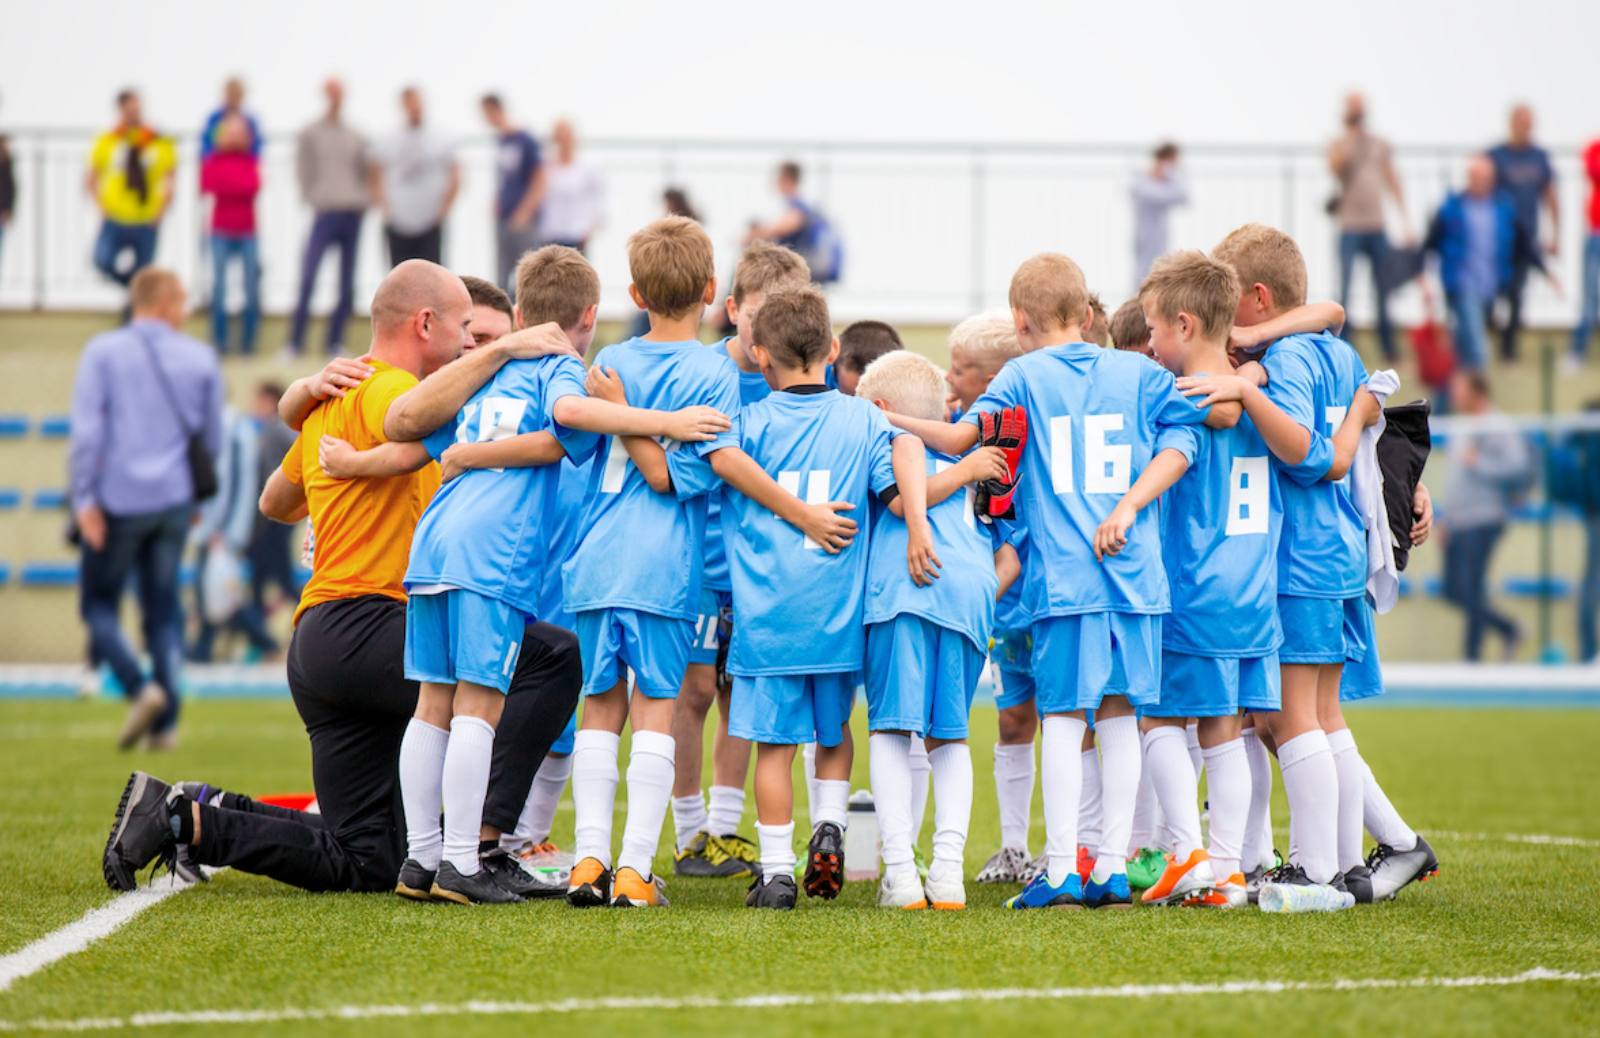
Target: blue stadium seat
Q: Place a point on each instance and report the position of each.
(13, 426)
(55, 426)
(1405, 585)
(1433, 587)
(1529, 512)
(46, 500)
(1533, 587)
(10, 498)
(50, 573)
(5, 572)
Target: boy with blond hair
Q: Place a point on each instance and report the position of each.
(1102, 424)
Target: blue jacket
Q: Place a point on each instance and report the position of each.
(1447, 236)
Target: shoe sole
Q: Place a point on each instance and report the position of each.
(1178, 895)
(624, 901)
(947, 906)
(587, 895)
(825, 877)
(741, 871)
(412, 893)
(141, 715)
(439, 893)
(117, 876)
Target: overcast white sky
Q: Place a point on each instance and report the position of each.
(1002, 70)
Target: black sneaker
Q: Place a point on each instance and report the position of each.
(141, 833)
(780, 893)
(1393, 870)
(1294, 876)
(1358, 881)
(825, 862)
(414, 882)
(509, 873)
(479, 888)
(707, 857)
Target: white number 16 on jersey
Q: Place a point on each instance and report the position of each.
(1107, 466)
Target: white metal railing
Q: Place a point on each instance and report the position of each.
(932, 231)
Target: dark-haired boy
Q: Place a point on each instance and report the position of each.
(860, 344)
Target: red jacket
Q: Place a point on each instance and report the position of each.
(234, 178)
(1591, 165)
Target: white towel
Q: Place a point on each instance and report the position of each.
(1366, 487)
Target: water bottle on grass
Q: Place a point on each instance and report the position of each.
(1288, 897)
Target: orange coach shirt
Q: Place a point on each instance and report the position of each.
(362, 527)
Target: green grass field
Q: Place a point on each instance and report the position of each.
(240, 944)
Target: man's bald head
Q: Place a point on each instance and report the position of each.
(421, 313)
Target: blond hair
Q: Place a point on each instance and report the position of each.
(1192, 283)
(766, 266)
(1050, 291)
(909, 383)
(1128, 330)
(557, 284)
(671, 265)
(152, 287)
(988, 340)
(1263, 255)
(1098, 329)
(793, 326)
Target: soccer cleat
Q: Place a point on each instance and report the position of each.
(743, 850)
(948, 894)
(631, 890)
(589, 886)
(1006, 866)
(707, 857)
(414, 882)
(527, 884)
(141, 832)
(1393, 870)
(825, 862)
(1253, 881)
(1230, 893)
(780, 892)
(1182, 879)
(1040, 894)
(901, 889)
(1113, 893)
(1035, 868)
(1358, 881)
(1145, 868)
(146, 707)
(1085, 863)
(920, 862)
(480, 888)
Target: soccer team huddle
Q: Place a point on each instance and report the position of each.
(1157, 545)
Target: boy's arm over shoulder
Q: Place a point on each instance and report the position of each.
(1169, 407)
(339, 460)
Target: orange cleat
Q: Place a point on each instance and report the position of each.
(631, 890)
(1085, 864)
(1182, 880)
(1230, 893)
(590, 885)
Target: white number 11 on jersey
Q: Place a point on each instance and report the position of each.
(818, 486)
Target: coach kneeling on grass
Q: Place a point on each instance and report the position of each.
(346, 659)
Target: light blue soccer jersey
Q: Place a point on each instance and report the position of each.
(488, 531)
(1219, 536)
(640, 549)
(1096, 418)
(564, 537)
(1010, 614)
(962, 599)
(752, 387)
(798, 609)
(1323, 551)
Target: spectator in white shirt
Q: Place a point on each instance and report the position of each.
(575, 194)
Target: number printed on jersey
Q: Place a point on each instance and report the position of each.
(617, 462)
(1249, 497)
(970, 498)
(1335, 418)
(1108, 467)
(818, 486)
(499, 418)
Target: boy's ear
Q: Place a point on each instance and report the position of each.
(882, 405)
(833, 352)
(590, 315)
(759, 354)
(709, 298)
(633, 294)
(733, 312)
(516, 319)
(1263, 296)
(1019, 320)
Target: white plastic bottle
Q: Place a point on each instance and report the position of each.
(861, 845)
(1287, 897)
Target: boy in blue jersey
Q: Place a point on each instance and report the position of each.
(1101, 421)
(1313, 382)
(707, 840)
(925, 647)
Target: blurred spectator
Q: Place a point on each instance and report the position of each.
(1487, 467)
(331, 163)
(1155, 192)
(1589, 593)
(518, 194)
(8, 187)
(802, 227)
(413, 176)
(232, 105)
(1480, 240)
(1589, 290)
(130, 178)
(222, 536)
(676, 202)
(575, 194)
(231, 174)
(1364, 167)
(271, 554)
(141, 393)
(1523, 170)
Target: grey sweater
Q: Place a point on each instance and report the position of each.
(1480, 490)
(331, 162)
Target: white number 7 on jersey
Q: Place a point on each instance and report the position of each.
(818, 486)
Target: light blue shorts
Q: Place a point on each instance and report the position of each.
(1078, 660)
(563, 744)
(1208, 686)
(920, 678)
(789, 709)
(1321, 630)
(1363, 678)
(460, 635)
(1015, 688)
(656, 647)
(707, 640)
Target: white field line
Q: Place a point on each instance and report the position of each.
(1538, 839)
(76, 936)
(777, 1001)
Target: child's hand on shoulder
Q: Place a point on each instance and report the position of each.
(1214, 389)
(336, 458)
(605, 385)
(1112, 535)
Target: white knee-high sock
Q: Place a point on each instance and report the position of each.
(1061, 775)
(1090, 806)
(833, 803)
(465, 784)
(1312, 782)
(921, 773)
(1166, 757)
(952, 807)
(1228, 791)
(1258, 823)
(1145, 811)
(777, 850)
(1382, 820)
(808, 756)
(1119, 779)
(727, 808)
(1013, 788)
(1191, 734)
(422, 752)
(649, 792)
(1351, 771)
(544, 796)
(689, 818)
(889, 761)
(594, 793)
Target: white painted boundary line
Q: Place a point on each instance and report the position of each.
(778, 1001)
(1535, 838)
(76, 936)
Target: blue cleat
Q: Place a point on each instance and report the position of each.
(1113, 893)
(1040, 894)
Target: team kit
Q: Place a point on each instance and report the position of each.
(1148, 528)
